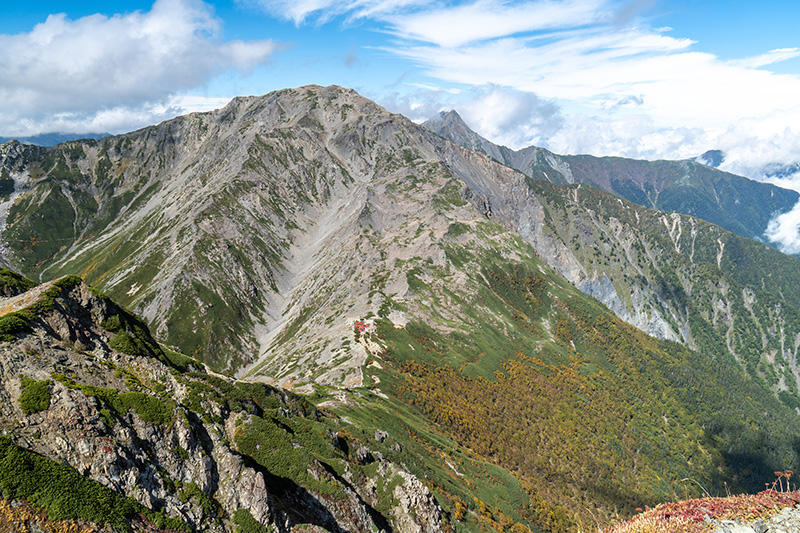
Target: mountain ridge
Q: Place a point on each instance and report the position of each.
(53, 138)
(339, 188)
(310, 239)
(687, 187)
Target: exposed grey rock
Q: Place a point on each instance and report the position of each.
(419, 510)
(786, 521)
(363, 455)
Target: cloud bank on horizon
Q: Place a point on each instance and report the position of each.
(574, 76)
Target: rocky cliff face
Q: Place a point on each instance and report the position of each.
(166, 439)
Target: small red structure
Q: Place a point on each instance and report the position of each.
(361, 326)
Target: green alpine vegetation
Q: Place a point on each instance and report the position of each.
(35, 395)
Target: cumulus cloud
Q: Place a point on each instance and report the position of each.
(784, 230)
(510, 117)
(418, 105)
(768, 149)
(86, 70)
(117, 118)
(627, 135)
(506, 116)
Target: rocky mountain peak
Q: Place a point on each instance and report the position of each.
(449, 125)
(712, 158)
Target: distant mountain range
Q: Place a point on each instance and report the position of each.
(733, 202)
(475, 338)
(52, 139)
(715, 158)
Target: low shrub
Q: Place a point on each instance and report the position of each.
(125, 343)
(35, 395)
(11, 324)
(245, 523)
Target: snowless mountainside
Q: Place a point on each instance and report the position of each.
(500, 338)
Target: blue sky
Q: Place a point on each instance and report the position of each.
(637, 78)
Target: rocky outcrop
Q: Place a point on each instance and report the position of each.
(786, 521)
(419, 512)
(147, 461)
(123, 420)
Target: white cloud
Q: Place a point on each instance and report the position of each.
(118, 118)
(771, 57)
(455, 26)
(509, 117)
(89, 69)
(633, 135)
(298, 11)
(418, 105)
(784, 230)
(751, 144)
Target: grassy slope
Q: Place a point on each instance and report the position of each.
(511, 410)
(592, 416)
(531, 364)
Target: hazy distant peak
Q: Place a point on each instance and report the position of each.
(53, 138)
(446, 116)
(711, 158)
(447, 120)
(449, 125)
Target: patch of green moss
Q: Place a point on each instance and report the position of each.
(35, 395)
(190, 491)
(149, 408)
(245, 523)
